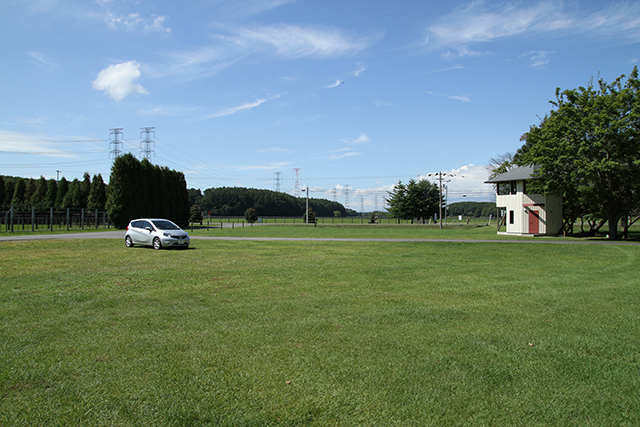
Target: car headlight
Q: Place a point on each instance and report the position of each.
(166, 234)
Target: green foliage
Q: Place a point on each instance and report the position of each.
(9, 189)
(97, 194)
(472, 209)
(311, 215)
(18, 193)
(416, 200)
(140, 189)
(2, 191)
(63, 188)
(250, 215)
(588, 150)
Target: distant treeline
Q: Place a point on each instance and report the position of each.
(472, 209)
(136, 189)
(234, 201)
(24, 193)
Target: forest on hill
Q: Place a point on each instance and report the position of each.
(234, 201)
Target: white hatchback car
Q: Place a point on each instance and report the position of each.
(159, 233)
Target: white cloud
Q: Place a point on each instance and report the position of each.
(360, 139)
(18, 143)
(361, 67)
(133, 22)
(294, 41)
(463, 98)
(538, 58)
(254, 7)
(332, 85)
(117, 80)
(271, 166)
(42, 60)
(465, 183)
(233, 110)
(275, 150)
(383, 103)
(343, 155)
(480, 22)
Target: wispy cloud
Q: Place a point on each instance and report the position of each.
(479, 22)
(463, 98)
(239, 108)
(41, 60)
(360, 139)
(19, 143)
(332, 85)
(275, 150)
(117, 80)
(134, 22)
(295, 41)
(268, 167)
(538, 58)
(246, 8)
(361, 67)
(232, 44)
(343, 155)
(383, 103)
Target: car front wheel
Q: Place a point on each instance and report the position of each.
(157, 244)
(128, 242)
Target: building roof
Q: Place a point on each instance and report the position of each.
(518, 174)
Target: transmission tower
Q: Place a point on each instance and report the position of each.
(335, 194)
(375, 209)
(296, 187)
(145, 145)
(115, 144)
(361, 204)
(346, 196)
(276, 180)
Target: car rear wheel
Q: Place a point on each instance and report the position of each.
(157, 244)
(128, 242)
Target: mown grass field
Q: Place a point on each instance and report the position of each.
(288, 333)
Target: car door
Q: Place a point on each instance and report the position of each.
(146, 233)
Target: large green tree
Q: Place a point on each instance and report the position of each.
(97, 193)
(415, 200)
(588, 150)
(140, 189)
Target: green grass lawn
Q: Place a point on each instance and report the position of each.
(288, 333)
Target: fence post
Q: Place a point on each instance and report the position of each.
(11, 216)
(33, 218)
(51, 218)
(68, 219)
(82, 219)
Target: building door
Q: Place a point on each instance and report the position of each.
(534, 222)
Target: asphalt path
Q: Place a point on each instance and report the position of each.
(119, 234)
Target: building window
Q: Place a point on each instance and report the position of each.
(504, 189)
(511, 217)
(514, 187)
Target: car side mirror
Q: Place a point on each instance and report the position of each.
(148, 228)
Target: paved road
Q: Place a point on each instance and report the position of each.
(119, 234)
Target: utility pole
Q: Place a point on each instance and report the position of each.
(114, 143)
(306, 214)
(439, 176)
(145, 145)
(58, 175)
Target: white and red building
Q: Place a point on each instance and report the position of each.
(522, 213)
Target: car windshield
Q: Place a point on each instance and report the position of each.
(165, 225)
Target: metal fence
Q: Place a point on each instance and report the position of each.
(14, 220)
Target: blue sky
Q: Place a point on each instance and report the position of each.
(349, 96)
